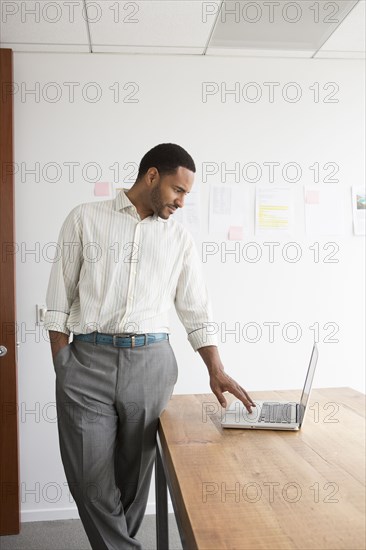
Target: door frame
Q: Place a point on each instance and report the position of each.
(9, 453)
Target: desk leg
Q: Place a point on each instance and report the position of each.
(161, 499)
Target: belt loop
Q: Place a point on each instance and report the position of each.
(95, 334)
(132, 341)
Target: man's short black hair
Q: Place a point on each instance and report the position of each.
(166, 158)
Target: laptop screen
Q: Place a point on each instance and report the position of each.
(308, 382)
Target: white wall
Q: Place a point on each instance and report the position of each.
(170, 108)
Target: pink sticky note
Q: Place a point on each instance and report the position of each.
(236, 233)
(102, 189)
(312, 196)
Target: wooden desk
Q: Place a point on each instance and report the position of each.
(241, 489)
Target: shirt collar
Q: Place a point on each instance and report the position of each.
(121, 202)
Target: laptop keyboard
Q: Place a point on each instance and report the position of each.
(276, 413)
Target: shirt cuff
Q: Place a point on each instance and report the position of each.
(199, 339)
(56, 320)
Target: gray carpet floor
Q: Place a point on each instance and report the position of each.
(70, 535)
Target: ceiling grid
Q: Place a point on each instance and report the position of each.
(261, 28)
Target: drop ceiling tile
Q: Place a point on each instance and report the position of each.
(157, 50)
(163, 23)
(47, 48)
(44, 22)
(349, 38)
(280, 25)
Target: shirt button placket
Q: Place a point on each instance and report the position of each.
(133, 272)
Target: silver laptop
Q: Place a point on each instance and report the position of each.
(272, 415)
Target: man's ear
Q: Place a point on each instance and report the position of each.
(152, 176)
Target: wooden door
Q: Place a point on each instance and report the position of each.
(9, 463)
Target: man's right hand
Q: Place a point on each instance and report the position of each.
(58, 340)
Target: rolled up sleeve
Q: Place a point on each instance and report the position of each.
(65, 272)
(192, 302)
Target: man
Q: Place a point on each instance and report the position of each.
(123, 263)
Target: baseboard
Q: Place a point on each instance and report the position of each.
(49, 515)
(151, 508)
(69, 513)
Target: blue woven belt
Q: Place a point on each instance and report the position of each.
(127, 341)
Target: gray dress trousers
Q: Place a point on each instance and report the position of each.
(109, 400)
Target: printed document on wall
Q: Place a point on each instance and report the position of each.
(227, 211)
(359, 210)
(273, 211)
(324, 209)
(190, 215)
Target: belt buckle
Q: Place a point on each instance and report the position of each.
(133, 344)
(124, 335)
(113, 340)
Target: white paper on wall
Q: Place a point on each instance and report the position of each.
(273, 210)
(359, 209)
(226, 211)
(189, 215)
(324, 209)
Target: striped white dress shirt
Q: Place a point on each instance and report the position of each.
(115, 273)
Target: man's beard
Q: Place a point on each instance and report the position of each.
(157, 204)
